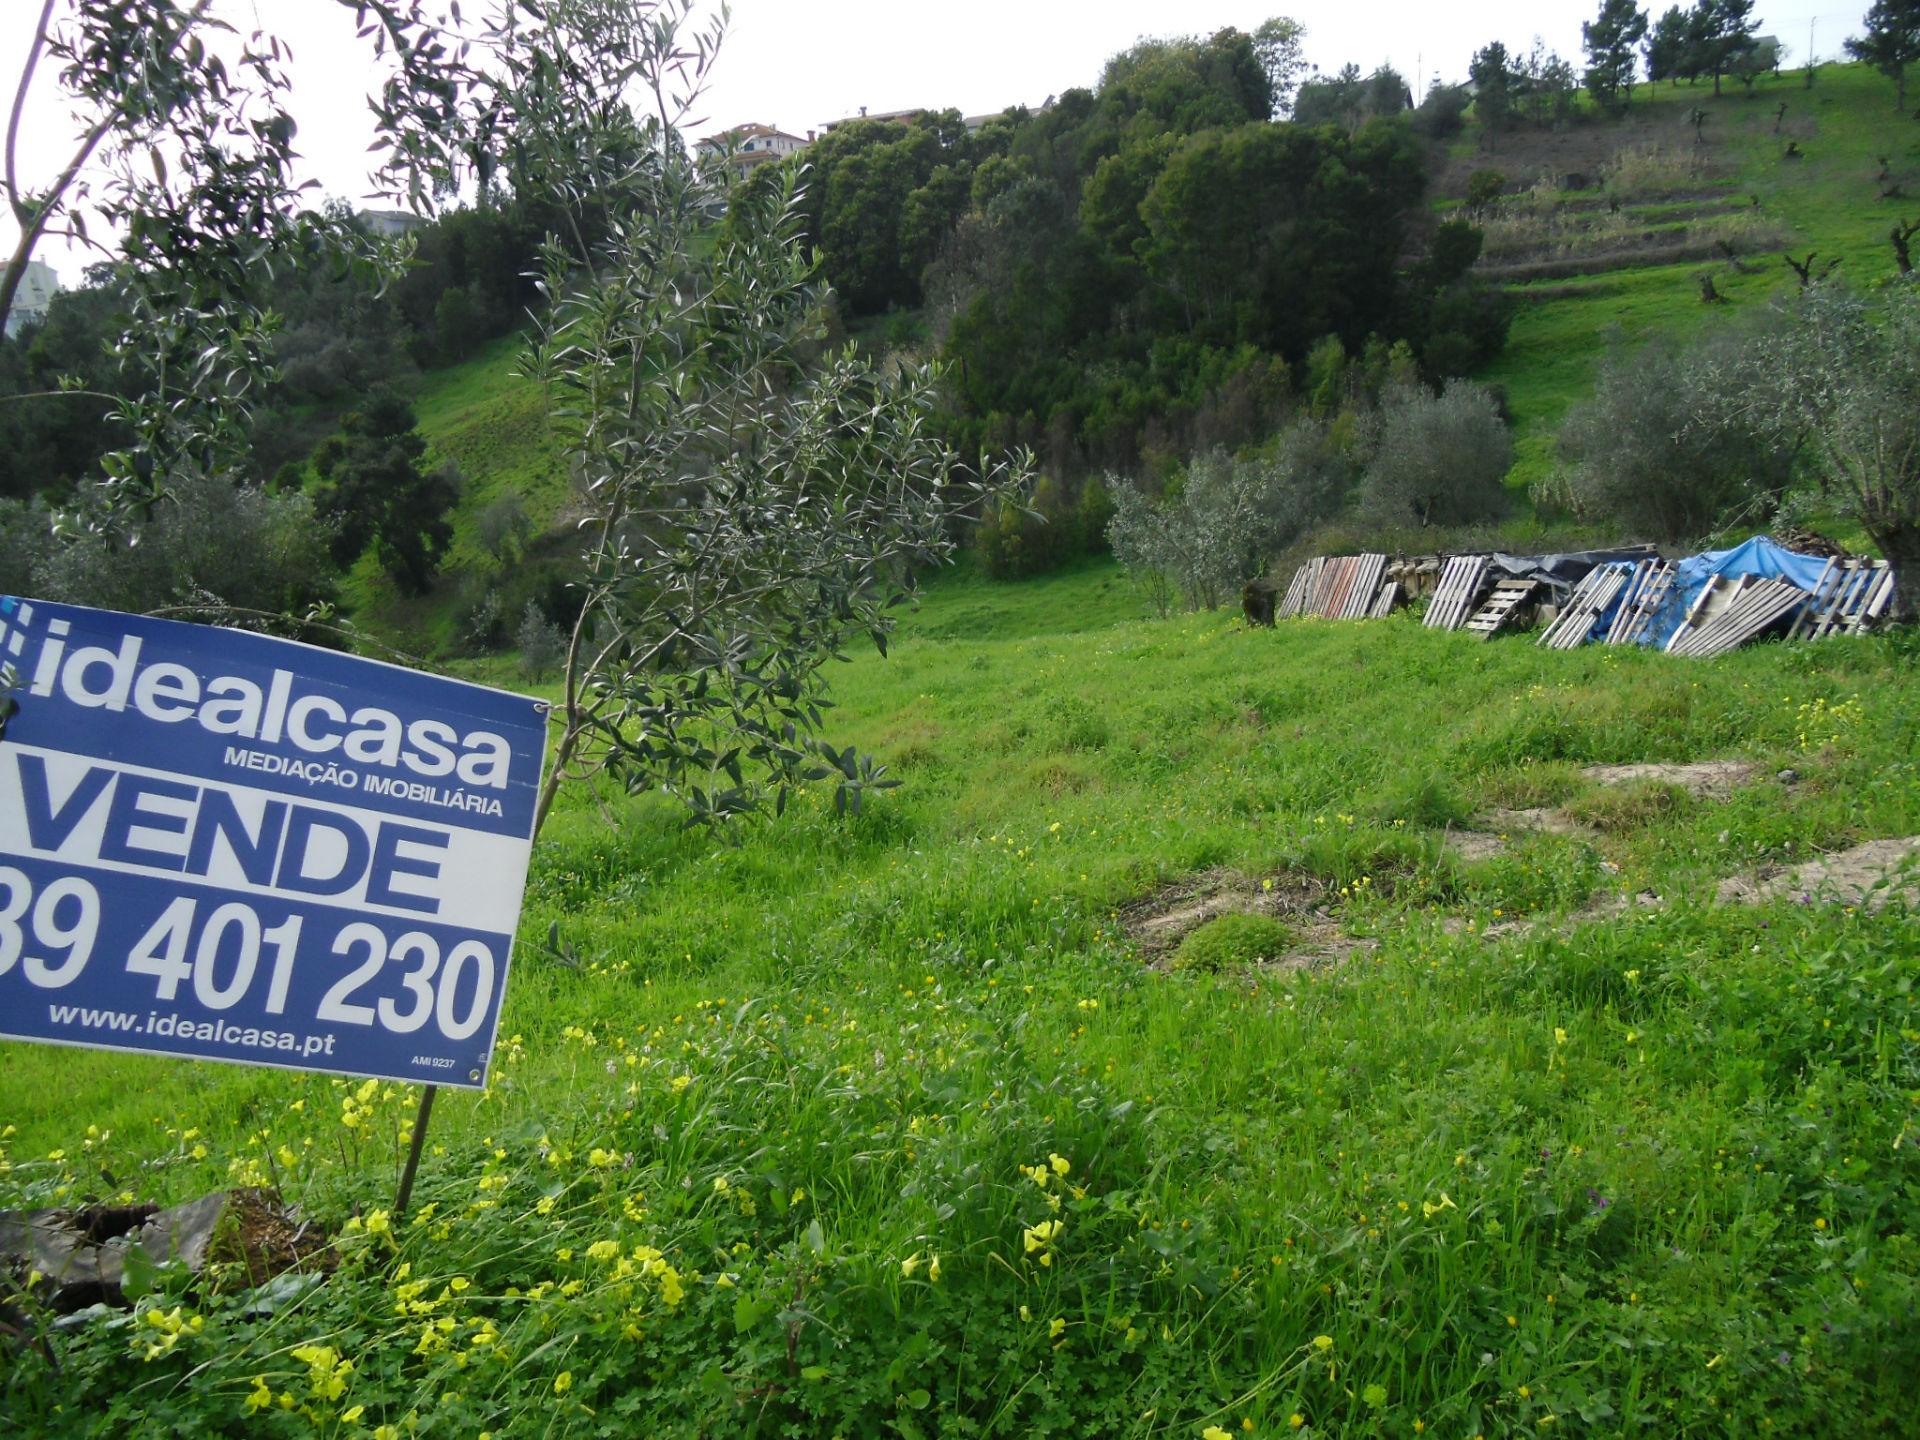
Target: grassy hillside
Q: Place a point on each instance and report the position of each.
(1541, 1143)
(1828, 200)
(493, 425)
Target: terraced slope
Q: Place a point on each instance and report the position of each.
(1723, 200)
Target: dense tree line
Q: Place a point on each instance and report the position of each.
(339, 336)
(1141, 269)
(342, 346)
(1713, 38)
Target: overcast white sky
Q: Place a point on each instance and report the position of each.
(798, 63)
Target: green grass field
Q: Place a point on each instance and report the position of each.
(887, 1125)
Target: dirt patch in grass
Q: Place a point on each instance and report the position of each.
(1500, 824)
(1705, 779)
(1476, 844)
(265, 1238)
(1646, 792)
(1602, 907)
(1613, 808)
(1868, 875)
(1157, 923)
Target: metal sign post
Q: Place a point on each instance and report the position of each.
(405, 1197)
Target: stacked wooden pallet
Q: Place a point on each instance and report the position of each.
(1415, 574)
(1728, 614)
(1334, 587)
(1389, 601)
(1575, 624)
(1849, 596)
(1647, 590)
(1453, 598)
(1302, 585)
(1509, 597)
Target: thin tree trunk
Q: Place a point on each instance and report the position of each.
(1900, 544)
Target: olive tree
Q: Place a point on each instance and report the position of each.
(1836, 380)
(180, 176)
(1439, 459)
(1230, 518)
(237, 550)
(749, 506)
(1654, 449)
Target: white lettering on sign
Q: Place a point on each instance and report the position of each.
(96, 677)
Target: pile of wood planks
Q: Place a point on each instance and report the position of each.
(1304, 581)
(1726, 614)
(1615, 603)
(1647, 590)
(1334, 587)
(1416, 575)
(1849, 596)
(1575, 624)
(1454, 597)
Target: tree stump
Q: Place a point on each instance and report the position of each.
(1258, 599)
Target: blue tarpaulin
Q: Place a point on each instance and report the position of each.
(1758, 557)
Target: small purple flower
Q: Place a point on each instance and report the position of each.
(1545, 1154)
(1596, 1199)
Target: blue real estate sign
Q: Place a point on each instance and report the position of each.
(232, 847)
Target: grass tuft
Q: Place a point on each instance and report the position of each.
(1234, 941)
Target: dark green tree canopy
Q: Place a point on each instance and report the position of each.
(1137, 264)
(1612, 61)
(1892, 42)
(375, 493)
(1494, 81)
(1667, 45)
